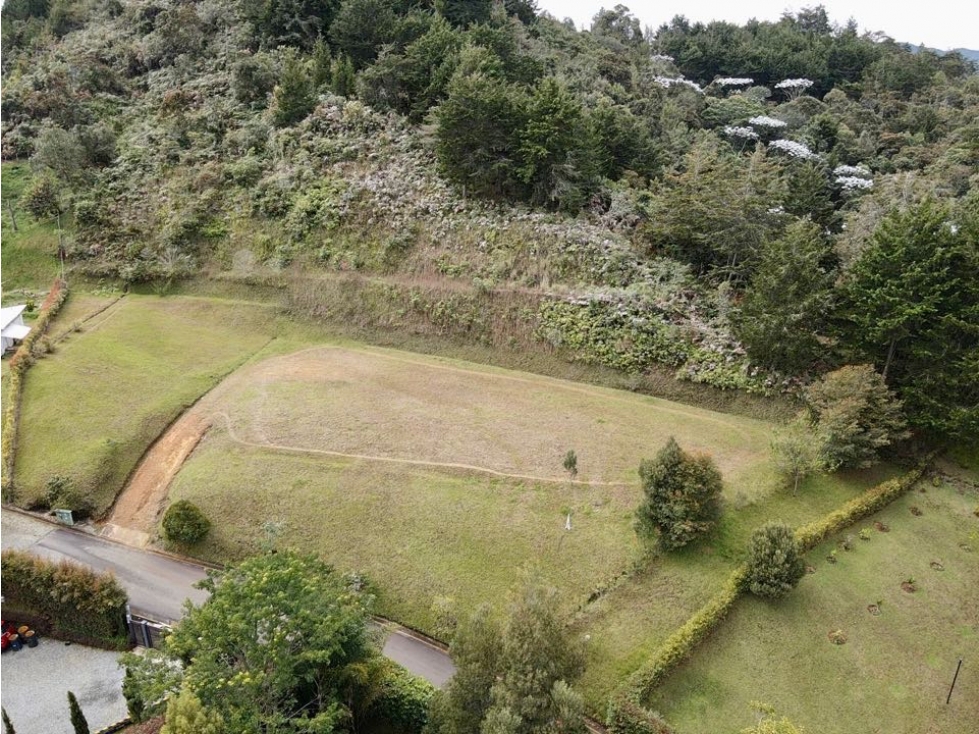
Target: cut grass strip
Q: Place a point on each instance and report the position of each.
(893, 672)
(92, 408)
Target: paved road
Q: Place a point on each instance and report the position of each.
(158, 585)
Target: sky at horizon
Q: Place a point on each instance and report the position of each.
(941, 24)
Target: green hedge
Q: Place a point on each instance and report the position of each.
(682, 641)
(404, 701)
(627, 717)
(66, 600)
(626, 714)
(23, 358)
(874, 499)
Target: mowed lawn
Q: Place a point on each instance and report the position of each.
(92, 407)
(894, 671)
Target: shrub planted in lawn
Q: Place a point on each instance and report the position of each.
(185, 523)
(682, 495)
(774, 563)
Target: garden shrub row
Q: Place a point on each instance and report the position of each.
(874, 499)
(65, 600)
(404, 700)
(628, 717)
(23, 358)
(626, 713)
(678, 645)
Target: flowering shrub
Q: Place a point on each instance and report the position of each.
(765, 121)
(746, 133)
(729, 81)
(793, 149)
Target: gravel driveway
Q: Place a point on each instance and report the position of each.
(36, 681)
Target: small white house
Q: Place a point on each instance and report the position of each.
(12, 325)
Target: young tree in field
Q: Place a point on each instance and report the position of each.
(911, 304)
(184, 523)
(786, 307)
(681, 496)
(798, 452)
(775, 564)
(78, 721)
(570, 464)
(856, 414)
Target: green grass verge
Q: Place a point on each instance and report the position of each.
(629, 624)
(29, 257)
(92, 408)
(893, 672)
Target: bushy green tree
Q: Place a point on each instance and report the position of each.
(512, 678)
(786, 308)
(775, 564)
(798, 451)
(184, 523)
(276, 644)
(296, 23)
(292, 98)
(911, 305)
(556, 150)
(681, 496)
(462, 13)
(856, 414)
(43, 198)
(187, 715)
(361, 27)
(479, 125)
(78, 721)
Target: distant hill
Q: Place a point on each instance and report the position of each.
(971, 54)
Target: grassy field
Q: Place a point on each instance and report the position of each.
(425, 532)
(91, 408)
(30, 254)
(894, 671)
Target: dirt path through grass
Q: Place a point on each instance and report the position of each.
(258, 422)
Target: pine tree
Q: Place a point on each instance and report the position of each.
(293, 97)
(78, 720)
(786, 307)
(775, 565)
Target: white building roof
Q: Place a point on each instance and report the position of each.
(16, 331)
(9, 314)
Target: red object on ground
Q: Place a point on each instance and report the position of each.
(8, 629)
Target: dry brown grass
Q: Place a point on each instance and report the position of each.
(393, 406)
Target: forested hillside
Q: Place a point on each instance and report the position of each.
(749, 205)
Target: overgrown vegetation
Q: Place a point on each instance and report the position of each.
(705, 197)
(65, 600)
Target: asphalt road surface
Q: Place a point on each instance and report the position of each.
(158, 585)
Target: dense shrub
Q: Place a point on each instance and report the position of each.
(857, 414)
(774, 563)
(73, 602)
(185, 523)
(626, 717)
(404, 700)
(681, 496)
